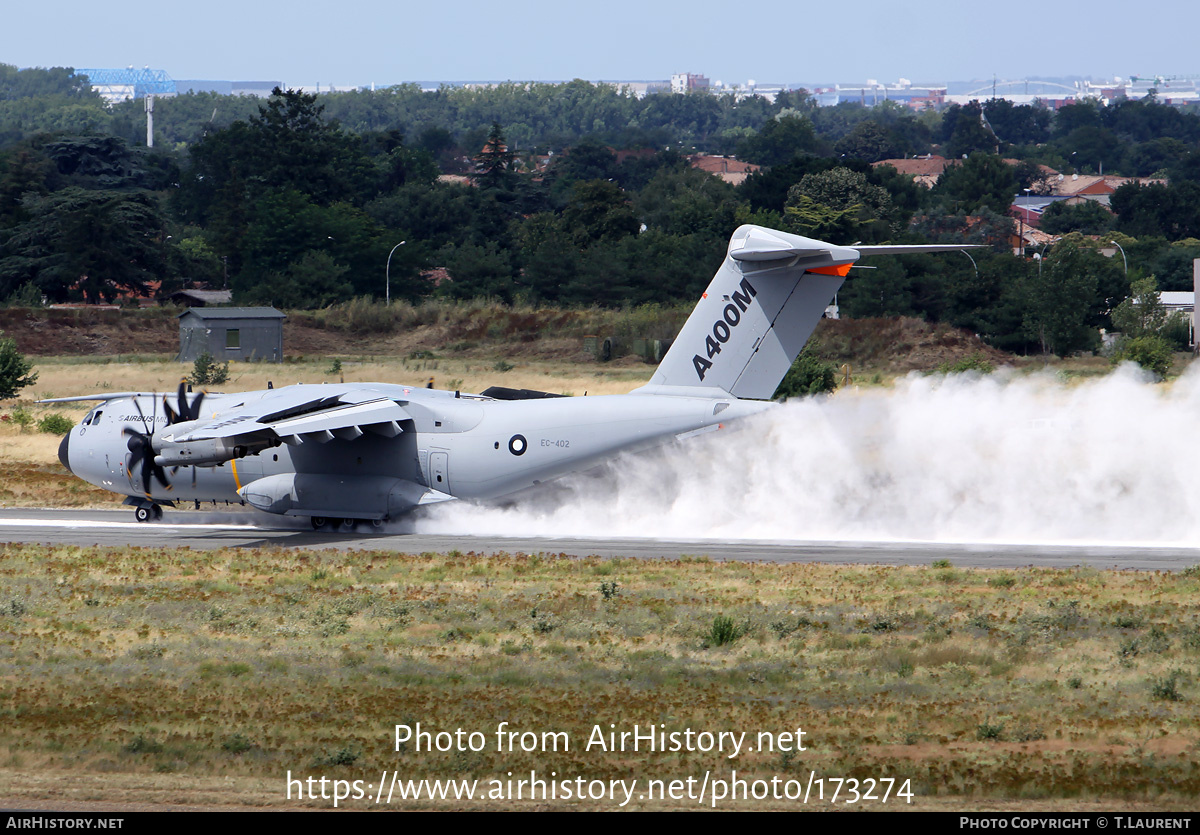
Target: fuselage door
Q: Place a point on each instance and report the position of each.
(439, 471)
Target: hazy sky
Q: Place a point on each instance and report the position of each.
(374, 41)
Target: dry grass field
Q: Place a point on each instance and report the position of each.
(183, 677)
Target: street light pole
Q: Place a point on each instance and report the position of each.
(388, 274)
(1123, 258)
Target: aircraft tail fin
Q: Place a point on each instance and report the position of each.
(760, 309)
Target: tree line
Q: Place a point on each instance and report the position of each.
(581, 194)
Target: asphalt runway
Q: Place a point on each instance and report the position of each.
(239, 528)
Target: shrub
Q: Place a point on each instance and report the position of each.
(722, 632)
(16, 372)
(237, 744)
(22, 418)
(975, 362)
(343, 756)
(142, 745)
(1166, 688)
(808, 375)
(207, 371)
(1152, 353)
(55, 424)
(989, 732)
(543, 622)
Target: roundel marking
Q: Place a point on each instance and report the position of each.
(517, 445)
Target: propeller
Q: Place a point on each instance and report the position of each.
(141, 448)
(187, 411)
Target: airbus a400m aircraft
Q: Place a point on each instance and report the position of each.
(373, 451)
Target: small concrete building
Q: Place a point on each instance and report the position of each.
(231, 333)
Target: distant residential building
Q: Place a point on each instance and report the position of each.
(638, 89)
(1028, 209)
(202, 298)
(873, 93)
(686, 82)
(924, 170)
(732, 171)
(261, 89)
(1096, 187)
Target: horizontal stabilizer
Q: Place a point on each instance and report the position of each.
(912, 249)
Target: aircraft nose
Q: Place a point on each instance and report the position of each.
(62, 451)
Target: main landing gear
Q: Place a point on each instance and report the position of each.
(322, 523)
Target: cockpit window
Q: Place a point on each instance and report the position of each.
(87, 420)
(96, 417)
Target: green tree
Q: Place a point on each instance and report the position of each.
(1088, 217)
(840, 203)
(16, 372)
(981, 180)
(494, 162)
(1018, 124)
(1059, 299)
(93, 244)
(598, 211)
(313, 280)
(780, 139)
(1142, 314)
(683, 201)
(869, 141)
(964, 131)
(477, 272)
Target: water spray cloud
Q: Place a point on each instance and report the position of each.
(1003, 458)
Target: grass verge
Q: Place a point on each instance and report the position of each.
(981, 687)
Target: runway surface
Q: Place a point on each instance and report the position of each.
(237, 528)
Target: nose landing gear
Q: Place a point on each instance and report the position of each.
(148, 513)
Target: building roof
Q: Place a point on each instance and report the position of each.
(1098, 185)
(233, 313)
(730, 170)
(1178, 298)
(200, 298)
(930, 165)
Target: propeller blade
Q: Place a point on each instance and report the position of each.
(141, 445)
(194, 409)
(181, 402)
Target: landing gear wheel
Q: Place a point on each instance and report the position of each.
(319, 522)
(142, 514)
(376, 523)
(350, 523)
(156, 513)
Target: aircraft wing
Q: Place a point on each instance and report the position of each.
(105, 397)
(344, 416)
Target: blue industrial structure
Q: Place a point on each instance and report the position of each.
(129, 82)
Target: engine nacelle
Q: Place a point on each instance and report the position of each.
(202, 453)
